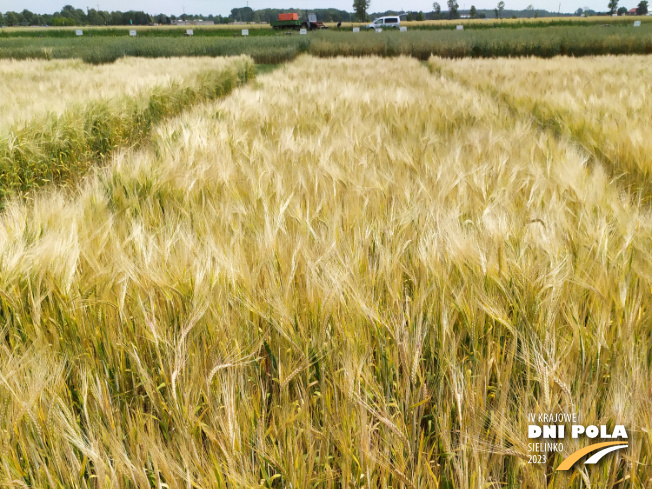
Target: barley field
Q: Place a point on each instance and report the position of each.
(58, 118)
(350, 272)
(602, 103)
(31, 88)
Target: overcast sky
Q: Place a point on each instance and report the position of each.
(206, 7)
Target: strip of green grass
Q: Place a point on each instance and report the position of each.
(90, 32)
(263, 50)
(547, 42)
(543, 42)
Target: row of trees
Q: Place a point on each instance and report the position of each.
(454, 11)
(70, 16)
(641, 9)
(361, 6)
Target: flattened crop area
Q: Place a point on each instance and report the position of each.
(350, 272)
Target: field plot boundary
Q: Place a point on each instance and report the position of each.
(59, 149)
(633, 178)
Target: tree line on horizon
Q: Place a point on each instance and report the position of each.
(70, 16)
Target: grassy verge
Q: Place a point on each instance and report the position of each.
(142, 31)
(107, 49)
(540, 42)
(60, 148)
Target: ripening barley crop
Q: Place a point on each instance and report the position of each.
(59, 118)
(602, 103)
(31, 88)
(348, 273)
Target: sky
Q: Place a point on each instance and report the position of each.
(206, 7)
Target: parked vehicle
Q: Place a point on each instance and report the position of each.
(292, 21)
(314, 23)
(384, 23)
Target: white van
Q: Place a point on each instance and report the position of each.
(384, 23)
